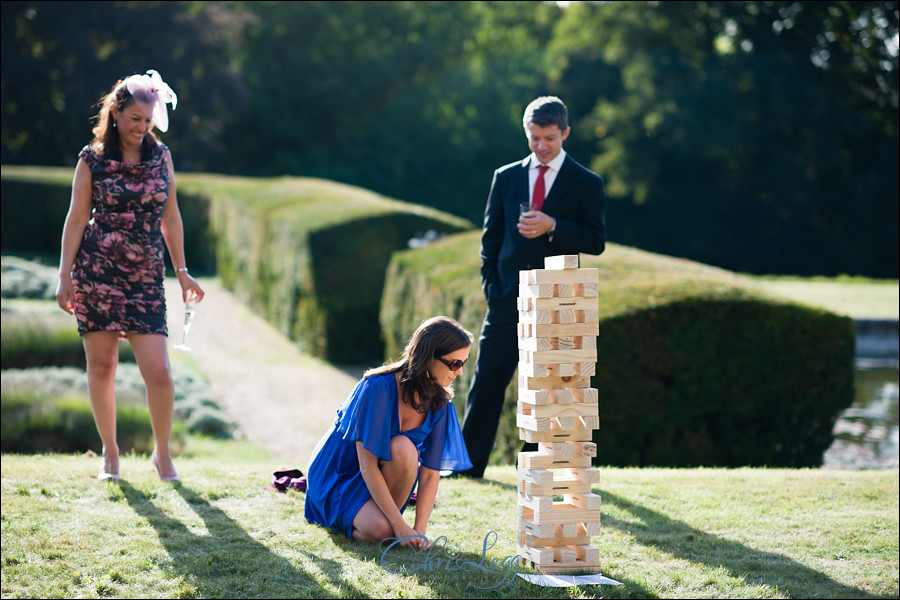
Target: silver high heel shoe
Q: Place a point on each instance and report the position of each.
(162, 477)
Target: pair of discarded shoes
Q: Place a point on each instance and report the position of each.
(289, 479)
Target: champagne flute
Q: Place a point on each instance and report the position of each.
(190, 307)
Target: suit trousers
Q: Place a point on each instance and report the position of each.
(498, 358)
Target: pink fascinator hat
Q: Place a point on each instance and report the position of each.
(150, 88)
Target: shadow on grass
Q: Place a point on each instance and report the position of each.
(756, 567)
(227, 563)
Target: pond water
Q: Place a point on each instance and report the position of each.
(867, 434)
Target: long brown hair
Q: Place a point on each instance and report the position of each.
(106, 135)
(434, 338)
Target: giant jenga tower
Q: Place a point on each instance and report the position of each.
(558, 410)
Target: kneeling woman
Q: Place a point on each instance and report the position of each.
(397, 427)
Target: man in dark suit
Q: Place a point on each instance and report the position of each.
(567, 216)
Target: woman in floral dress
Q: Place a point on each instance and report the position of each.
(112, 266)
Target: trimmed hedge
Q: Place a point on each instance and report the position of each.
(696, 366)
(311, 255)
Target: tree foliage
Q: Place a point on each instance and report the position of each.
(758, 136)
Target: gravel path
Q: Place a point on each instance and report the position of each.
(280, 398)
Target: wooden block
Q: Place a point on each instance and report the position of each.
(537, 476)
(565, 290)
(534, 396)
(578, 567)
(577, 409)
(587, 501)
(532, 541)
(538, 317)
(584, 341)
(590, 529)
(587, 395)
(561, 486)
(562, 513)
(538, 504)
(539, 276)
(563, 316)
(563, 554)
(588, 316)
(562, 370)
(561, 396)
(554, 435)
(559, 304)
(587, 553)
(565, 423)
(566, 529)
(559, 329)
(561, 450)
(559, 356)
(586, 369)
(562, 261)
(535, 529)
(585, 448)
(530, 423)
(553, 382)
(539, 556)
(535, 460)
(589, 475)
(588, 422)
(586, 290)
(538, 290)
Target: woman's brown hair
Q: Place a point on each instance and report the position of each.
(434, 338)
(106, 134)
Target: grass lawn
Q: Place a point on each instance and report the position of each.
(667, 533)
(863, 299)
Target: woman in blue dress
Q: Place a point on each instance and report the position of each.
(398, 427)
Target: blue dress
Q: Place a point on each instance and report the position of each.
(335, 487)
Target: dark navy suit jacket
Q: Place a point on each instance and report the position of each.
(576, 200)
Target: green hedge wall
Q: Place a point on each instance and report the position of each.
(696, 366)
(311, 255)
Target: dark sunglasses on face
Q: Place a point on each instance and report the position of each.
(455, 365)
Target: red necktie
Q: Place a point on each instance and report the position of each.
(537, 199)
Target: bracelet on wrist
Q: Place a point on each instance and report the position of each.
(182, 269)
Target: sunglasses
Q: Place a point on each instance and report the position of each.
(455, 365)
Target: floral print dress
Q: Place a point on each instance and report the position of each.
(119, 271)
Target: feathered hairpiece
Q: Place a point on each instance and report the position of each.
(152, 89)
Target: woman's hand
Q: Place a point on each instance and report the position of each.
(412, 536)
(64, 295)
(189, 287)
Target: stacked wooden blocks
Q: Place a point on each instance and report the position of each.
(558, 410)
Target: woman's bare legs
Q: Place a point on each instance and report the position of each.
(399, 473)
(153, 361)
(101, 349)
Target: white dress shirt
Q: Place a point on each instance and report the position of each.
(549, 176)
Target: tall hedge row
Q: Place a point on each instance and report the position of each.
(310, 255)
(696, 366)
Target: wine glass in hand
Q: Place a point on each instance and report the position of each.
(190, 307)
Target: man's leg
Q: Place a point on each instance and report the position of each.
(498, 357)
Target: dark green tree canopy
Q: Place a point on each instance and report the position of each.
(757, 136)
